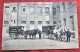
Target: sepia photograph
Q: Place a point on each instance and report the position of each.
(39, 25)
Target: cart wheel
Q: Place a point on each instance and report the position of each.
(19, 36)
(13, 36)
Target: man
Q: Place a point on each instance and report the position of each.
(39, 34)
(26, 34)
(68, 35)
(48, 32)
(61, 33)
(55, 33)
(34, 33)
(30, 34)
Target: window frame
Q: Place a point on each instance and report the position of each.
(54, 22)
(23, 22)
(40, 8)
(32, 22)
(47, 22)
(6, 22)
(33, 12)
(47, 10)
(14, 9)
(39, 22)
(54, 11)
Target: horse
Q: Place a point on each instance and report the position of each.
(31, 33)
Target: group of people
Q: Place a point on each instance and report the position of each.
(59, 33)
(32, 33)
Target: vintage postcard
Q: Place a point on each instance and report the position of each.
(40, 25)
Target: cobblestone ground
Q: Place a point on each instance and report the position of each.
(28, 44)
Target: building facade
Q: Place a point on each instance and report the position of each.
(34, 15)
(68, 17)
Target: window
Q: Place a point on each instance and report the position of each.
(32, 10)
(23, 9)
(40, 10)
(14, 21)
(39, 22)
(54, 11)
(54, 22)
(31, 22)
(63, 4)
(6, 22)
(6, 6)
(23, 22)
(72, 22)
(59, 9)
(59, 23)
(14, 9)
(6, 10)
(47, 10)
(64, 22)
(47, 22)
(70, 3)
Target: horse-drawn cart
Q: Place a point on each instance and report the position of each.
(15, 31)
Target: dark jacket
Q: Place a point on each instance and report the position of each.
(68, 33)
(39, 32)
